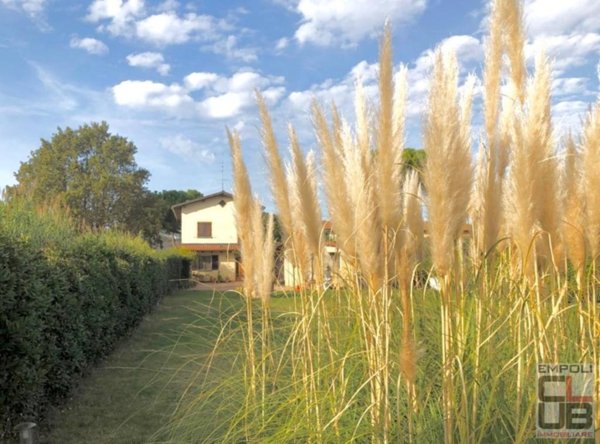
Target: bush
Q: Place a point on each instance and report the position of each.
(66, 299)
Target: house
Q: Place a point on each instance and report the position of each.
(208, 228)
(335, 268)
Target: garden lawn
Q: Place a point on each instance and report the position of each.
(130, 397)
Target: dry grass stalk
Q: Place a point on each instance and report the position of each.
(410, 237)
(411, 241)
(447, 174)
(507, 118)
(539, 141)
(550, 208)
(486, 201)
(244, 207)
(334, 179)
(448, 180)
(278, 182)
(389, 141)
(515, 44)
(399, 114)
(297, 250)
(365, 229)
(532, 157)
(268, 252)
(306, 209)
(573, 222)
(478, 204)
(492, 72)
(591, 178)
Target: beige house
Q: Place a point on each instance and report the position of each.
(208, 228)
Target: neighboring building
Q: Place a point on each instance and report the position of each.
(208, 228)
(169, 240)
(335, 268)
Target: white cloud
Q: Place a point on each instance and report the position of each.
(131, 18)
(33, 8)
(568, 116)
(154, 60)
(221, 97)
(121, 14)
(344, 22)
(239, 126)
(168, 28)
(225, 105)
(469, 53)
(467, 49)
(187, 149)
(236, 93)
(282, 43)
(136, 93)
(567, 50)
(565, 86)
(91, 45)
(552, 17)
(228, 48)
(245, 81)
(199, 80)
(168, 5)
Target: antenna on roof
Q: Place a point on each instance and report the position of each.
(222, 178)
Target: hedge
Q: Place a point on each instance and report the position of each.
(66, 299)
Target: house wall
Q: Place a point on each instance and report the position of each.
(335, 268)
(226, 271)
(222, 218)
(291, 274)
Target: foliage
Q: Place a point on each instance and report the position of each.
(94, 174)
(168, 198)
(413, 159)
(127, 398)
(67, 299)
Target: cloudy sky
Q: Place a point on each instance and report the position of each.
(171, 75)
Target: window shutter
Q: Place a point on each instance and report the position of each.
(204, 229)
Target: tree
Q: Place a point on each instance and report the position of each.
(168, 198)
(94, 174)
(413, 158)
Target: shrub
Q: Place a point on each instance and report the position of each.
(66, 299)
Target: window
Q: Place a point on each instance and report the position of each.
(204, 229)
(204, 263)
(208, 263)
(329, 235)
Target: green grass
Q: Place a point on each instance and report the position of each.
(130, 397)
(182, 377)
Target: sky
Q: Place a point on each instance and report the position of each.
(172, 75)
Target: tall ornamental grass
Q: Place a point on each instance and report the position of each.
(510, 238)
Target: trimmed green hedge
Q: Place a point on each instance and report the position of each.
(65, 300)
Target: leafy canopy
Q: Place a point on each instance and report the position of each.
(94, 174)
(168, 198)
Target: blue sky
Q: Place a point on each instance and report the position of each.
(171, 75)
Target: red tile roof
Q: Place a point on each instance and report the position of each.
(211, 247)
